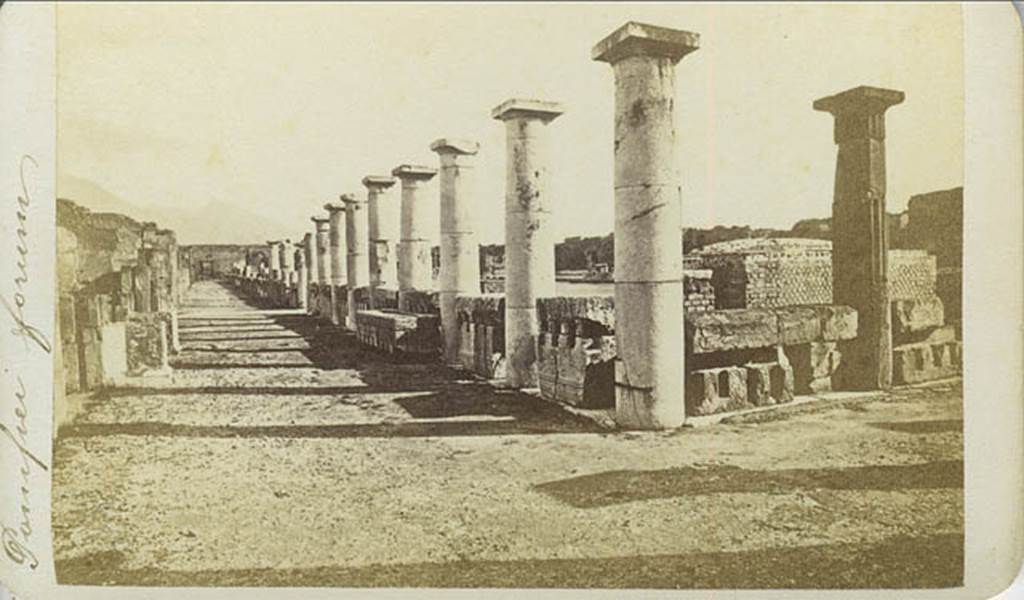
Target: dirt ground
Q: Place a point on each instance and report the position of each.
(273, 457)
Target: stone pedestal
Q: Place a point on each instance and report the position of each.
(275, 259)
(337, 272)
(529, 237)
(860, 241)
(415, 272)
(648, 220)
(460, 253)
(287, 262)
(382, 214)
(356, 239)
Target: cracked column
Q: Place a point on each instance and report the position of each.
(382, 213)
(301, 274)
(275, 260)
(650, 367)
(309, 254)
(860, 240)
(529, 237)
(357, 241)
(460, 254)
(337, 271)
(415, 272)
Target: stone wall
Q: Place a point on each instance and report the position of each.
(118, 287)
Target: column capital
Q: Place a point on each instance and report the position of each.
(455, 146)
(378, 182)
(413, 172)
(862, 99)
(322, 223)
(859, 112)
(349, 199)
(514, 108)
(333, 207)
(641, 39)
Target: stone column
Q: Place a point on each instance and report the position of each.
(338, 269)
(322, 245)
(460, 254)
(529, 237)
(860, 240)
(357, 241)
(309, 256)
(301, 275)
(649, 369)
(275, 260)
(415, 272)
(287, 262)
(382, 212)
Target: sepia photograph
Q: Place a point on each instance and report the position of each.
(424, 295)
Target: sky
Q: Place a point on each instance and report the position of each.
(236, 122)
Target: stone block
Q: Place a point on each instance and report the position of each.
(769, 383)
(710, 391)
(397, 332)
(916, 315)
(146, 337)
(113, 353)
(735, 329)
(813, 366)
(579, 371)
(599, 309)
(920, 362)
(838, 322)
(798, 324)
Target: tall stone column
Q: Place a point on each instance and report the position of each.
(338, 269)
(860, 240)
(460, 254)
(309, 256)
(322, 245)
(382, 213)
(649, 370)
(287, 262)
(529, 237)
(356, 239)
(275, 260)
(415, 272)
(301, 275)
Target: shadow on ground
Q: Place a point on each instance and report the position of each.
(934, 561)
(618, 487)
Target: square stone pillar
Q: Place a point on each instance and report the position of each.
(275, 259)
(460, 253)
(415, 272)
(649, 368)
(357, 241)
(860, 239)
(529, 237)
(383, 216)
(322, 245)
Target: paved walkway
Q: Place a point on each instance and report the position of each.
(280, 453)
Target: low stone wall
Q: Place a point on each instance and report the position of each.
(736, 359)
(925, 347)
(576, 350)
(482, 329)
(399, 332)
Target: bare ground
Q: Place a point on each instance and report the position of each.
(273, 457)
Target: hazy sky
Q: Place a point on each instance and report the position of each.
(236, 122)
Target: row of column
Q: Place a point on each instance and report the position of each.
(650, 365)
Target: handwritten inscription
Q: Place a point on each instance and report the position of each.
(17, 540)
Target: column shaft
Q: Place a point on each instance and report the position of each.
(357, 241)
(415, 271)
